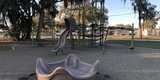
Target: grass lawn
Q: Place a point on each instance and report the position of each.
(136, 37)
(148, 44)
(4, 48)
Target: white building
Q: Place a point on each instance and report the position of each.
(151, 32)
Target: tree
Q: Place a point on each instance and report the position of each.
(3, 10)
(145, 11)
(28, 8)
(19, 13)
(73, 11)
(120, 25)
(1, 20)
(148, 16)
(128, 26)
(139, 6)
(50, 6)
(150, 24)
(158, 16)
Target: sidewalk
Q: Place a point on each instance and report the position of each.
(119, 62)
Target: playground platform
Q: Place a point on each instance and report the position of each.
(118, 62)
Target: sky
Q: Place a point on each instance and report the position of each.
(120, 13)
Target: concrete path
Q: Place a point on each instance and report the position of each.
(119, 62)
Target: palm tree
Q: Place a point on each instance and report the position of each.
(139, 6)
(145, 11)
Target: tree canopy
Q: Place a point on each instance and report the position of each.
(145, 11)
(19, 13)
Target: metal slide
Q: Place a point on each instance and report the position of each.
(70, 26)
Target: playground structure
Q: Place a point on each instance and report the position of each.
(81, 25)
(113, 27)
(70, 27)
(94, 27)
(72, 67)
(97, 33)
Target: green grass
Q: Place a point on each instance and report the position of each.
(148, 44)
(5, 48)
(136, 37)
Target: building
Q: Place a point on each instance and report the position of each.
(151, 32)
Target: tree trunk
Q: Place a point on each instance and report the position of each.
(29, 29)
(143, 26)
(5, 20)
(140, 26)
(28, 35)
(140, 30)
(40, 24)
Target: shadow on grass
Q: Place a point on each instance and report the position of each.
(148, 44)
(5, 48)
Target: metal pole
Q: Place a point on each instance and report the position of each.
(52, 31)
(132, 39)
(92, 23)
(32, 37)
(83, 19)
(101, 23)
(103, 20)
(79, 30)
